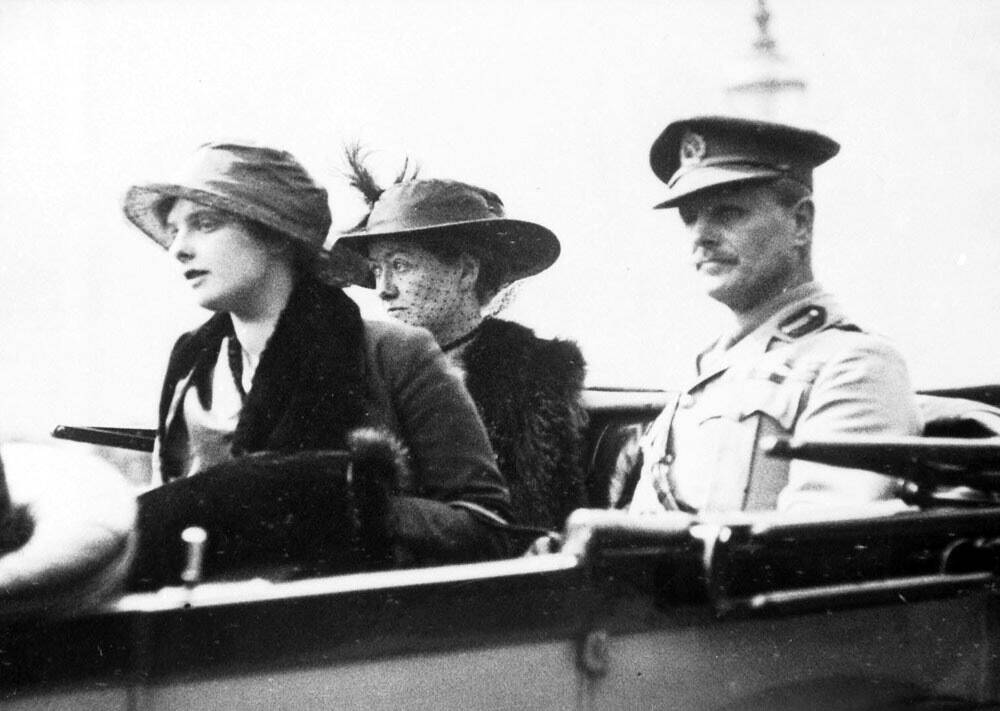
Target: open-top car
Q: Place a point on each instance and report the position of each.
(891, 607)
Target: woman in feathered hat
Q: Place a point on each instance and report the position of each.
(287, 364)
(441, 251)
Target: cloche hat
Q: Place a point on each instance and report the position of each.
(263, 184)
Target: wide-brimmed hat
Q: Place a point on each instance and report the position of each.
(262, 184)
(707, 151)
(440, 209)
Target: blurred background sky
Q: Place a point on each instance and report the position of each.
(551, 104)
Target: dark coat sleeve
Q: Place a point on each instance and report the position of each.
(449, 510)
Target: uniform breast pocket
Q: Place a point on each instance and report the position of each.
(781, 402)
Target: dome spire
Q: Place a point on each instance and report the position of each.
(764, 42)
(765, 84)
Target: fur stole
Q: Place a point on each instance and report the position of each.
(308, 389)
(527, 390)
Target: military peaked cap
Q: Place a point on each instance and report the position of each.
(702, 152)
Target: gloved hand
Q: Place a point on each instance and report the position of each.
(275, 515)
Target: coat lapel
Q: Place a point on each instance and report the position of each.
(192, 353)
(309, 387)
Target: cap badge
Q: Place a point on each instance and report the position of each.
(692, 148)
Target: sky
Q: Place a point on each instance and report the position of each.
(553, 105)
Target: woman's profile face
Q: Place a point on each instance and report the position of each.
(417, 287)
(225, 265)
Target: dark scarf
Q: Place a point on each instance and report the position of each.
(309, 388)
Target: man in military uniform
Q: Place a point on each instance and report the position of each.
(793, 363)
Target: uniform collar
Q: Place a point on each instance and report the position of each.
(774, 326)
(769, 319)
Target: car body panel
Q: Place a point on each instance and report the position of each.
(679, 611)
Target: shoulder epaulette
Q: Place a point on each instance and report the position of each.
(804, 321)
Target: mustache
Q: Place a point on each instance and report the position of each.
(702, 256)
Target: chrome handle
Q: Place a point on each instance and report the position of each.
(195, 538)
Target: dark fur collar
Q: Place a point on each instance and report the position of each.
(308, 389)
(506, 353)
(527, 390)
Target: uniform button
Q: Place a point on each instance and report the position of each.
(668, 458)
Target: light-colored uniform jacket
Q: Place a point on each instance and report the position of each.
(806, 370)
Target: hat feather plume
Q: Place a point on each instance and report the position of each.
(402, 177)
(359, 176)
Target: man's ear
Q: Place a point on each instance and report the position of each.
(804, 213)
(470, 272)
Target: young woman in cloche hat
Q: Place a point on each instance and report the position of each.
(286, 364)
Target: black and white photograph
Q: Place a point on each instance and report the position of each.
(497, 354)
